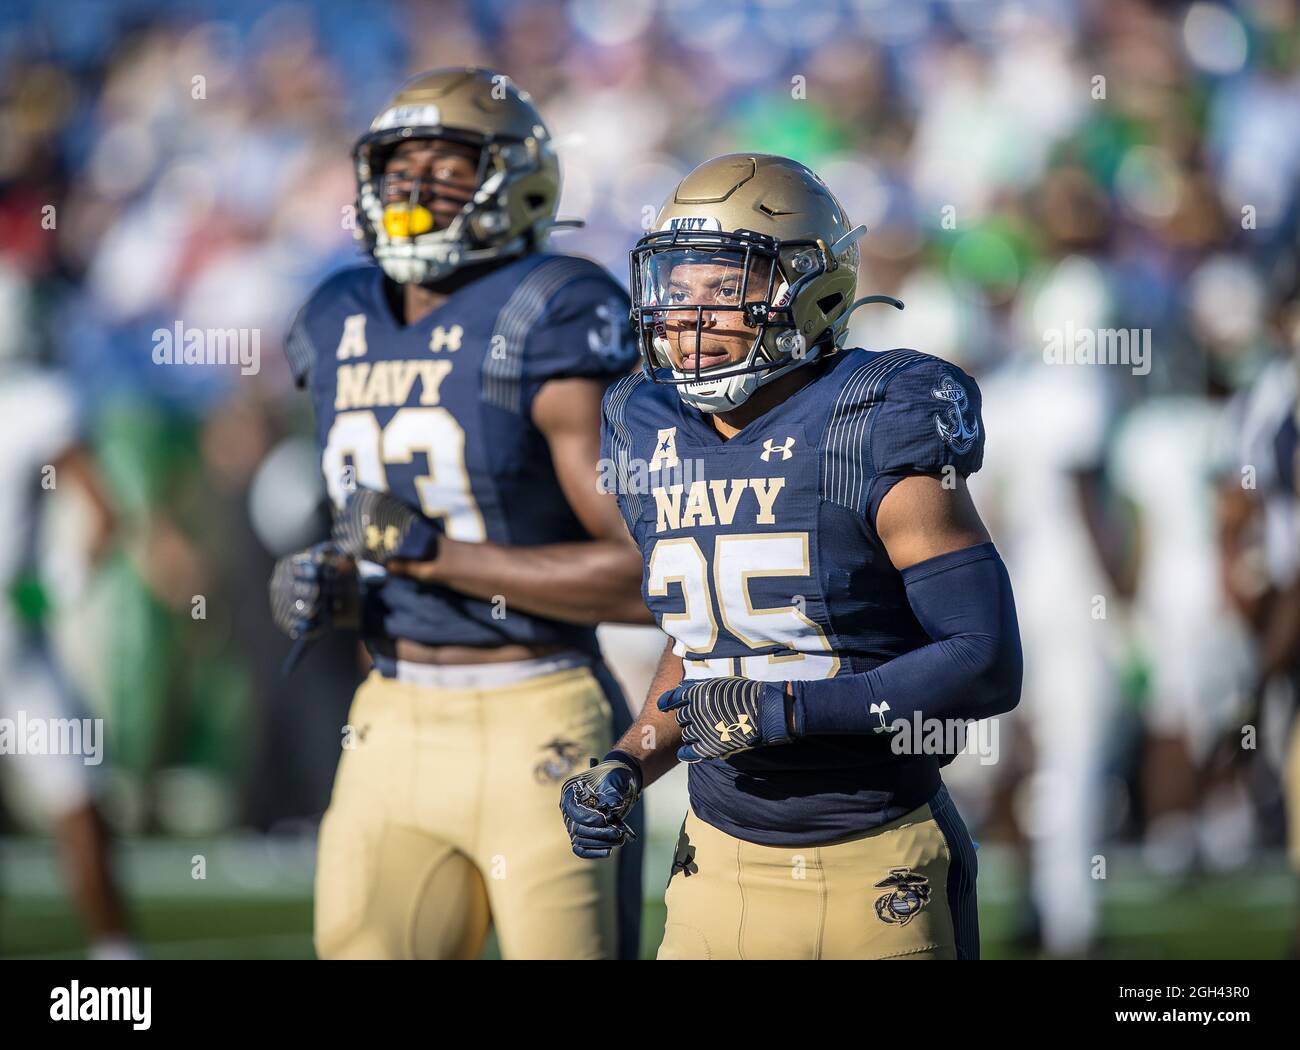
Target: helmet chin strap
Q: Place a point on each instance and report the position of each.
(418, 264)
(725, 394)
(720, 395)
(433, 257)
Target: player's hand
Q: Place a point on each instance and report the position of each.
(1229, 750)
(594, 803)
(378, 527)
(312, 591)
(722, 716)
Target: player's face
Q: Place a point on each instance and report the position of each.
(428, 179)
(715, 337)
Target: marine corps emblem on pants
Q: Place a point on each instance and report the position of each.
(908, 894)
(559, 763)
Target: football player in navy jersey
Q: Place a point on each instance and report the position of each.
(832, 595)
(457, 387)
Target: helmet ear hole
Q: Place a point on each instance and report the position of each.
(535, 201)
(827, 303)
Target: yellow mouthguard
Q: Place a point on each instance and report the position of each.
(403, 220)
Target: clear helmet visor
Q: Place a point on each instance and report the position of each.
(702, 310)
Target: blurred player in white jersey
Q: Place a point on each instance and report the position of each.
(1165, 460)
(1260, 537)
(42, 452)
(1041, 480)
(1038, 464)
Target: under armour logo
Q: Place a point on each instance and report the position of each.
(740, 726)
(770, 446)
(879, 711)
(446, 339)
(382, 540)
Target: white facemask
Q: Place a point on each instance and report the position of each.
(431, 256)
(729, 392)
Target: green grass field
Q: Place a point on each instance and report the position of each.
(255, 903)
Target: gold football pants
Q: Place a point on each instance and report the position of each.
(905, 890)
(445, 818)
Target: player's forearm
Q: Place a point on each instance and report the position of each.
(1115, 538)
(1241, 572)
(653, 739)
(972, 669)
(597, 581)
(1280, 645)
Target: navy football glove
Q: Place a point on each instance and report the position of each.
(312, 591)
(595, 801)
(376, 526)
(723, 716)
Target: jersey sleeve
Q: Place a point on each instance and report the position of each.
(616, 473)
(299, 349)
(928, 420)
(606, 436)
(584, 332)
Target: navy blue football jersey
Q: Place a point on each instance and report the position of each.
(440, 414)
(762, 560)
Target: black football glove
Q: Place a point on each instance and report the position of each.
(595, 801)
(723, 716)
(376, 526)
(312, 591)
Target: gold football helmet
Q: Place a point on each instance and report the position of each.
(748, 245)
(512, 207)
